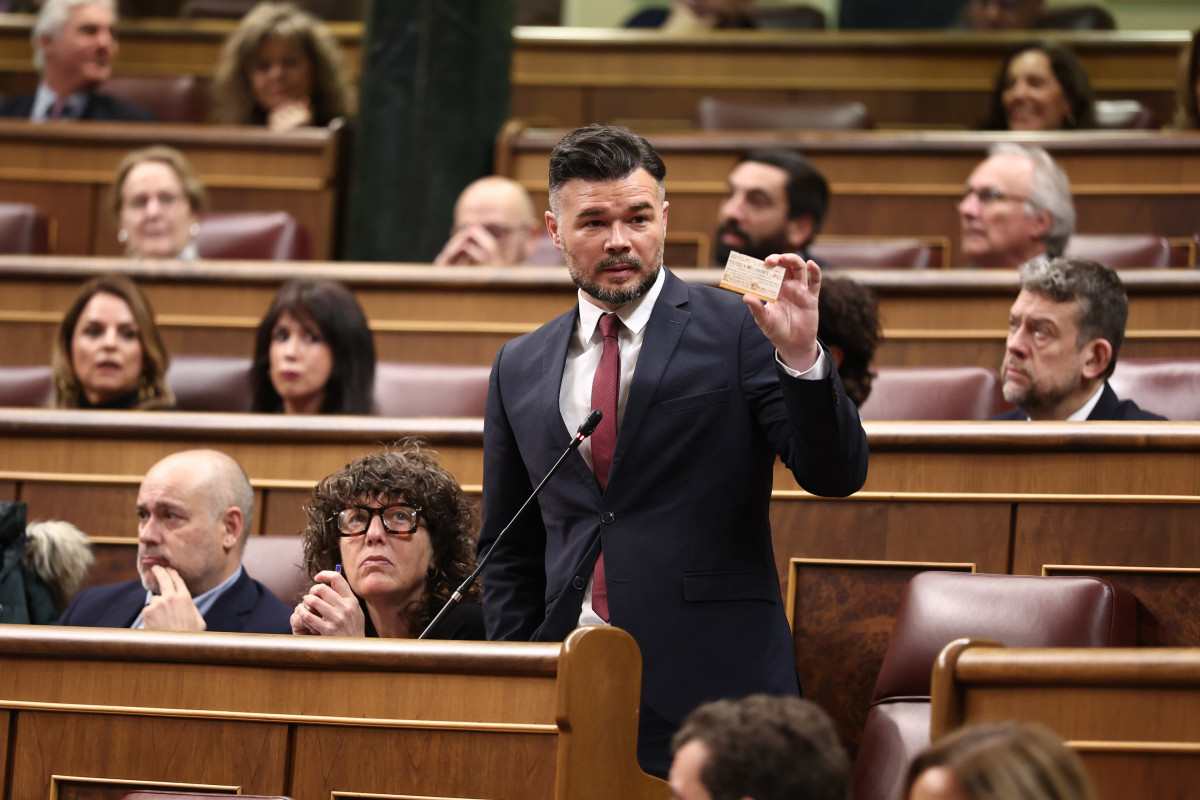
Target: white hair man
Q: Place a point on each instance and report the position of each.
(1016, 206)
(194, 510)
(74, 47)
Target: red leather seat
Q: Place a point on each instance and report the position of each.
(430, 390)
(253, 235)
(182, 98)
(210, 383)
(23, 231)
(277, 562)
(1167, 386)
(26, 387)
(939, 607)
(1121, 251)
(917, 393)
(1126, 115)
(714, 114)
(877, 253)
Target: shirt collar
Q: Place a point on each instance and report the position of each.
(1085, 410)
(633, 315)
(44, 99)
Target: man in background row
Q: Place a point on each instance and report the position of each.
(775, 204)
(494, 225)
(74, 47)
(759, 748)
(1016, 206)
(1064, 332)
(194, 510)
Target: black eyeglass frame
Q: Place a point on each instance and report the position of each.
(371, 512)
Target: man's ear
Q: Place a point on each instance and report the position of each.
(1097, 355)
(1042, 220)
(231, 528)
(552, 229)
(799, 231)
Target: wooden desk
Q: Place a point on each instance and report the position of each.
(421, 313)
(565, 77)
(1133, 715)
(88, 713)
(905, 183)
(65, 170)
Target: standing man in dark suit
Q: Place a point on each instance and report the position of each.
(659, 523)
(74, 48)
(194, 510)
(1064, 332)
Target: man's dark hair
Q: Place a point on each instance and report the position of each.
(806, 189)
(767, 748)
(849, 320)
(601, 153)
(1103, 304)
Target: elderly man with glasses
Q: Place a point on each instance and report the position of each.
(1016, 206)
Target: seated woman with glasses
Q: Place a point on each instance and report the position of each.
(157, 200)
(402, 533)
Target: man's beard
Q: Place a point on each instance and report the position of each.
(755, 248)
(624, 294)
(1036, 396)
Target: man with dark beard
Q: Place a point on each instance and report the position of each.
(658, 523)
(1064, 332)
(776, 202)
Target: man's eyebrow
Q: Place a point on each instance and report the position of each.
(596, 212)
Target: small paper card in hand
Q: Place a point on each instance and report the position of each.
(746, 275)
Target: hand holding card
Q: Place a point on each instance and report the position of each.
(790, 322)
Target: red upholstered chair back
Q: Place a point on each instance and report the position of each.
(253, 235)
(881, 253)
(277, 562)
(26, 387)
(1167, 386)
(23, 231)
(939, 607)
(933, 393)
(430, 390)
(210, 383)
(182, 98)
(791, 17)
(1076, 18)
(1121, 251)
(714, 114)
(1126, 115)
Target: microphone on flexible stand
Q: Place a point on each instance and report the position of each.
(585, 430)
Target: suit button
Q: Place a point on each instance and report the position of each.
(607, 517)
(579, 582)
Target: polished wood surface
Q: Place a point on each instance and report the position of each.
(565, 77)
(568, 77)
(1133, 715)
(66, 170)
(433, 314)
(295, 715)
(906, 183)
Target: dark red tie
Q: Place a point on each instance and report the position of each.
(606, 390)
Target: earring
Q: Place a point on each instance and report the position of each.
(122, 236)
(195, 229)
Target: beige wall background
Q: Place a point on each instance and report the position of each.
(1131, 15)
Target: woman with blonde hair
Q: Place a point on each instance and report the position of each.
(107, 351)
(282, 68)
(156, 201)
(999, 761)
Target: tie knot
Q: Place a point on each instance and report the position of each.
(609, 325)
